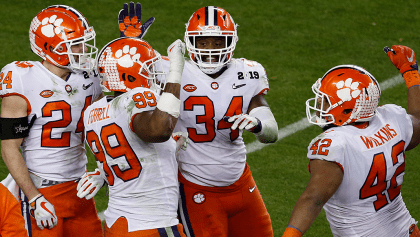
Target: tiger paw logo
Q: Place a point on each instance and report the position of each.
(126, 57)
(347, 90)
(199, 198)
(51, 26)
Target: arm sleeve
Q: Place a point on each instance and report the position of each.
(269, 132)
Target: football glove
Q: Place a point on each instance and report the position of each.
(181, 139)
(404, 60)
(402, 57)
(90, 183)
(130, 23)
(43, 212)
(244, 121)
(176, 53)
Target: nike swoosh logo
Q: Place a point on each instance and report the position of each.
(86, 87)
(410, 59)
(252, 189)
(237, 86)
(45, 208)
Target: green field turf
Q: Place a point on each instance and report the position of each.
(296, 41)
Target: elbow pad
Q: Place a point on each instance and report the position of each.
(269, 132)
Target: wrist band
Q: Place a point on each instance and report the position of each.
(169, 103)
(34, 198)
(292, 231)
(411, 78)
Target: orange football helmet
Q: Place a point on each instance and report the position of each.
(55, 30)
(344, 95)
(211, 21)
(127, 63)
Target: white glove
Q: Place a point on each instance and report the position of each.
(90, 183)
(181, 139)
(43, 212)
(176, 53)
(244, 121)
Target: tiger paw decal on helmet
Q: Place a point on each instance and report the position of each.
(126, 57)
(348, 89)
(127, 63)
(51, 26)
(344, 95)
(54, 31)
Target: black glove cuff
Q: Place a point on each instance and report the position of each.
(257, 128)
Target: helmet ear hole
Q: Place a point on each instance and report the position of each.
(52, 49)
(131, 78)
(347, 111)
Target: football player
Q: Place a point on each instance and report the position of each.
(42, 114)
(221, 96)
(357, 164)
(130, 136)
(11, 220)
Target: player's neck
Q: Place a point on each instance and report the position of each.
(118, 93)
(361, 125)
(217, 74)
(62, 73)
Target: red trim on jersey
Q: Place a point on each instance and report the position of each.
(264, 91)
(131, 123)
(29, 110)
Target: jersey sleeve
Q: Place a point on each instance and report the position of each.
(400, 116)
(97, 88)
(263, 85)
(140, 100)
(11, 80)
(257, 75)
(328, 146)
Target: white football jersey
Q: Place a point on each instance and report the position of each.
(216, 155)
(54, 149)
(142, 177)
(368, 201)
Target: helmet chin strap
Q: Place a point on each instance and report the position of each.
(208, 69)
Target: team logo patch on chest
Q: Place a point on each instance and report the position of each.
(215, 85)
(199, 197)
(68, 88)
(46, 93)
(189, 88)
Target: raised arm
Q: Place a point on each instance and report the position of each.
(404, 60)
(157, 126)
